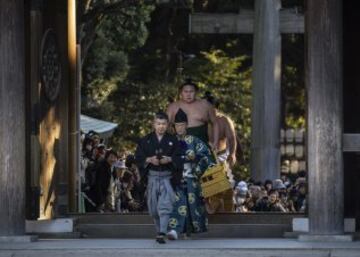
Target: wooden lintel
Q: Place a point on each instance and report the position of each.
(351, 142)
(241, 23)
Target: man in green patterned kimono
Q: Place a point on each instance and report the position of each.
(189, 214)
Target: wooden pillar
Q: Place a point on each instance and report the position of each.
(78, 112)
(324, 78)
(265, 138)
(12, 118)
(73, 110)
(34, 162)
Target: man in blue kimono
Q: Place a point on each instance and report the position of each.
(158, 154)
(189, 214)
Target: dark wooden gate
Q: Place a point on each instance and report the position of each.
(47, 107)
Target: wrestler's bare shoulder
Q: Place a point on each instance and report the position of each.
(223, 117)
(228, 119)
(203, 103)
(225, 120)
(174, 106)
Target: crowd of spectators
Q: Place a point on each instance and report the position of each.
(110, 181)
(287, 194)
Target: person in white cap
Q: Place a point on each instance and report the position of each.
(240, 194)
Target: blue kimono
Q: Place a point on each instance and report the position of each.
(189, 214)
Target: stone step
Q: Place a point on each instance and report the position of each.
(215, 230)
(66, 235)
(229, 218)
(180, 248)
(293, 234)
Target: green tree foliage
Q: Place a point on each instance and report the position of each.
(292, 82)
(108, 31)
(135, 105)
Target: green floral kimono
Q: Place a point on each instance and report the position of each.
(189, 214)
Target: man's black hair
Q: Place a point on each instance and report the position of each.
(87, 141)
(189, 82)
(251, 181)
(302, 174)
(127, 176)
(268, 181)
(161, 116)
(208, 96)
(92, 133)
(273, 191)
(110, 152)
(130, 159)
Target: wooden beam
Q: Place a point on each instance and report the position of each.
(265, 114)
(78, 111)
(73, 98)
(12, 118)
(324, 81)
(241, 23)
(35, 43)
(351, 142)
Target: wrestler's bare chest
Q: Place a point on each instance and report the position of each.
(197, 113)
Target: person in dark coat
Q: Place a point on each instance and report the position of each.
(158, 154)
(103, 171)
